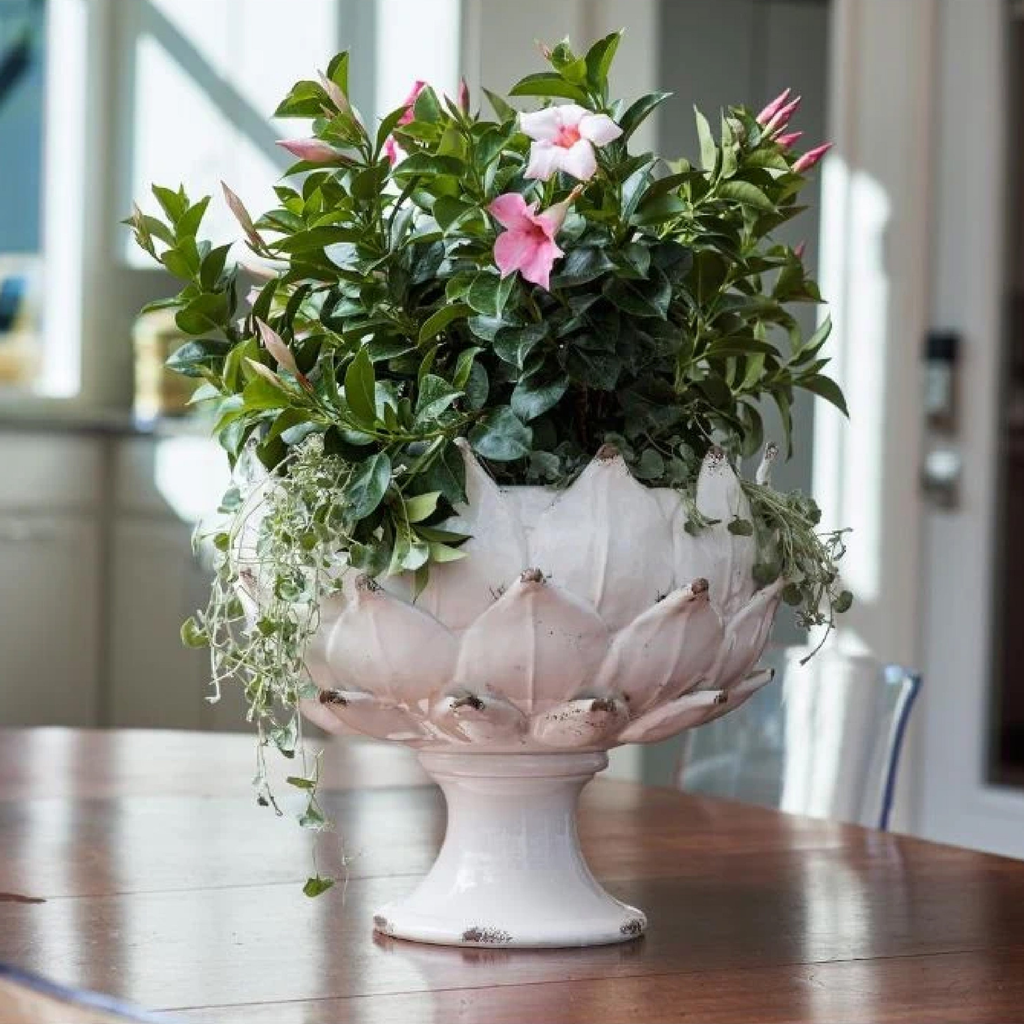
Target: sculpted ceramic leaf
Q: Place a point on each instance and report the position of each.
(382, 645)
(478, 718)
(365, 713)
(665, 651)
(666, 720)
(537, 645)
(576, 724)
(745, 638)
(590, 542)
(495, 552)
(739, 694)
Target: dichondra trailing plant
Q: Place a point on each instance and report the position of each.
(520, 278)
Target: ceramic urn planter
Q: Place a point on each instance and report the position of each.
(580, 620)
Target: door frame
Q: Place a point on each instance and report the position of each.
(913, 236)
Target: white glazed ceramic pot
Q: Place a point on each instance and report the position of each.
(580, 620)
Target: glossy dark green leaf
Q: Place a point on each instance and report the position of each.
(547, 83)
(367, 486)
(501, 436)
(360, 392)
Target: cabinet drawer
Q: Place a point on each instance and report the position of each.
(51, 471)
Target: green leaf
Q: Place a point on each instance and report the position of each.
(531, 399)
(639, 111)
(464, 366)
(300, 783)
(488, 293)
(207, 312)
(501, 436)
(740, 527)
(582, 264)
(825, 387)
(746, 194)
(641, 298)
(316, 886)
(505, 111)
(435, 396)
(514, 344)
(196, 356)
(193, 635)
(447, 474)
(360, 390)
(546, 83)
(368, 485)
(650, 467)
(599, 60)
(421, 507)
(442, 553)
(843, 602)
(438, 321)
(174, 203)
(708, 149)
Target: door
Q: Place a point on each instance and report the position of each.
(971, 754)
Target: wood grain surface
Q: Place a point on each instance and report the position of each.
(137, 864)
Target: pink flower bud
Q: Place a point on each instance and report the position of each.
(774, 107)
(274, 344)
(782, 116)
(241, 214)
(788, 140)
(313, 151)
(799, 250)
(811, 158)
(463, 99)
(333, 90)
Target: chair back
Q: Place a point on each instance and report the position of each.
(823, 739)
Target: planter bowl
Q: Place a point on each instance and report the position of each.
(580, 620)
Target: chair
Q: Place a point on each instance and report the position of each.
(823, 740)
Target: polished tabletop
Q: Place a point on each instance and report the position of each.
(137, 864)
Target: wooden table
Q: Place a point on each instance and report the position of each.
(137, 864)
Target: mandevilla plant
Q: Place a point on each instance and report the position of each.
(522, 280)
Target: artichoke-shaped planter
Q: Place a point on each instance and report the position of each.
(580, 620)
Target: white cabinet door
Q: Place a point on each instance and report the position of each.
(155, 584)
(50, 608)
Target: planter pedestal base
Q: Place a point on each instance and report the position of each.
(511, 872)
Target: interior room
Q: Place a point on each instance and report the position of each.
(876, 780)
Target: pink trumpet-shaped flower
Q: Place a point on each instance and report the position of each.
(789, 140)
(782, 116)
(391, 147)
(528, 243)
(313, 151)
(811, 158)
(774, 107)
(564, 140)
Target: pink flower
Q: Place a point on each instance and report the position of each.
(410, 101)
(799, 250)
(313, 151)
(811, 158)
(528, 244)
(564, 140)
(781, 117)
(391, 148)
(463, 99)
(774, 107)
(789, 140)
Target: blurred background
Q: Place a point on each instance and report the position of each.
(915, 231)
